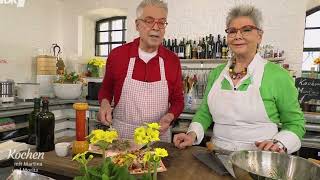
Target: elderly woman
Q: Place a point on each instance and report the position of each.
(248, 97)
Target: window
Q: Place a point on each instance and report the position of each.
(110, 33)
(311, 45)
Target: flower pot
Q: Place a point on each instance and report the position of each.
(67, 91)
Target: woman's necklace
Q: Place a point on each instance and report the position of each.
(236, 75)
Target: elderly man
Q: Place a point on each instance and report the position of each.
(143, 77)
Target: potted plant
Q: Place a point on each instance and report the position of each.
(68, 86)
(94, 66)
(110, 168)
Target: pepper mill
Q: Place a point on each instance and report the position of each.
(81, 144)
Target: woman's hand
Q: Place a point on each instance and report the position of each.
(269, 145)
(183, 140)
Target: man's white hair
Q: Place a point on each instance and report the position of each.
(157, 3)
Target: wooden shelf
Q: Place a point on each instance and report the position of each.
(203, 61)
(220, 61)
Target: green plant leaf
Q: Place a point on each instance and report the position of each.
(146, 177)
(105, 169)
(80, 178)
(95, 171)
(105, 177)
(82, 169)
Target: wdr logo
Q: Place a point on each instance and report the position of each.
(18, 3)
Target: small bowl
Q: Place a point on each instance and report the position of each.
(62, 149)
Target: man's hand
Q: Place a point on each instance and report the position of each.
(268, 145)
(104, 114)
(165, 122)
(183, 140)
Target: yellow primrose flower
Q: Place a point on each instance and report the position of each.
(140, 131)
(156, 158)
(79, 155)
(153, 135)
(110, 136)
(154, 126)
(140, 139)
(147, 156)
(94, 140)
(160, 152)
(100, 135)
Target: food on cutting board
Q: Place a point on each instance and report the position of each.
(135, 163)
(117, 147)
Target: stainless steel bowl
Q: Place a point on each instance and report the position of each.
(262, 165)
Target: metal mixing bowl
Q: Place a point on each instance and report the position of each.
(262, 165)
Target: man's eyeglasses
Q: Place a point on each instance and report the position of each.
(150, 22)
(244, 30)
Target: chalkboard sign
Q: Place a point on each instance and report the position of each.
(308, 89)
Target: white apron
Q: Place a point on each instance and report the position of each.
(240, 117)
(141, 102)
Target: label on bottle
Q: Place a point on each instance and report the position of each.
(188, 51)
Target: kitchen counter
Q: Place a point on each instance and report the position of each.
(180, 164)
(52, 102)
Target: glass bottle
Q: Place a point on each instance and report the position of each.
(32, 121)
(45, 128)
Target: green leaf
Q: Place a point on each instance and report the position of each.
(106, 166)
(105, 177)
(82, 170)
(94, 171)
(80, 178)
(146, 177)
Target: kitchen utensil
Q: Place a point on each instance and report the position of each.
(212, 161)
(271, 165)
(56, 49)
(28, 90)
(46, 65)
(222, 154)
(7, 91)
(213, 149)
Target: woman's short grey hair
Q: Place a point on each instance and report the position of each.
(245, 10)
(157, 3)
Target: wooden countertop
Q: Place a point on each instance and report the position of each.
(180, 164)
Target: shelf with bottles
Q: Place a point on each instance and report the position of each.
(206, 48)
(209, 50)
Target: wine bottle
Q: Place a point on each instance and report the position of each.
(169, 44)
(45, 128)
(209, 47)
(32, 121)
(224, 48)
(219, 48)
(199, 49)
(188, 50)
(176, 47)
(213, 47)
(164, 43)
(203, 46)
(194, 50)
(181, 50)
